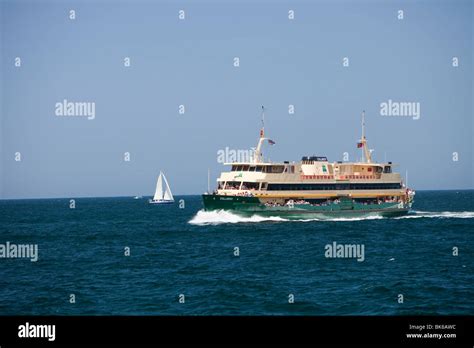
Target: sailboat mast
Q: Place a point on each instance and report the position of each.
(162, 192)
(159, 188)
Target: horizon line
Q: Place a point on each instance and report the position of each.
(179, 195)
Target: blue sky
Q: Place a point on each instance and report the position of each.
(190, 62)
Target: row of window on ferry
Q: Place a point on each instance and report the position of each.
(276, 169)
(263, 169)
(239, 185)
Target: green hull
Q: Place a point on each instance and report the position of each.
(345, 209)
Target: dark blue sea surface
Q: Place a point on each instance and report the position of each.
(81, 252)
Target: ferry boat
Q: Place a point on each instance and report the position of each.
(312, 187)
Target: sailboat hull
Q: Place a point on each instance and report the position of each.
(151, 201)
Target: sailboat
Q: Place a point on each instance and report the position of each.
(163, 194)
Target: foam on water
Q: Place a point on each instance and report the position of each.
(217, 217)
(438, 214)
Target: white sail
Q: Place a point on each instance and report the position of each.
(168, 196)
(159, 188)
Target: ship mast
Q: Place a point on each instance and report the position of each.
(258, 149)
(366, 156)
(208, 180)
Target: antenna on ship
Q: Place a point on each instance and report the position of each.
(258, 152)
(208, 180)
(363, 134)
(366, 155)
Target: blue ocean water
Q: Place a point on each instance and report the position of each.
(177, 251)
